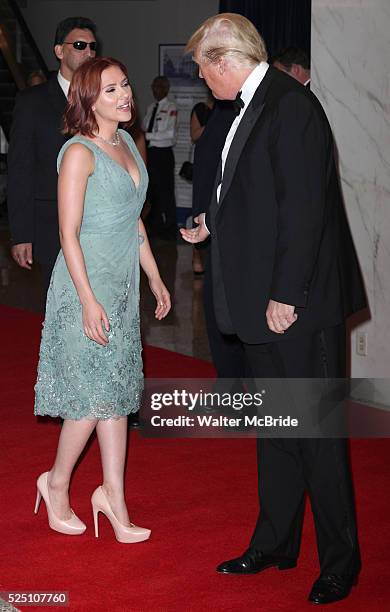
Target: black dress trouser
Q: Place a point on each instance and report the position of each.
(161, 193)
(290, 467)
(227, 351)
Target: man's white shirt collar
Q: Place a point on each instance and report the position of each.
(252, 82)
(64, 83)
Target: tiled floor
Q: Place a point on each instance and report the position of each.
(182, 331)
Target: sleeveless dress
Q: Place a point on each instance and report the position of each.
(78, 378)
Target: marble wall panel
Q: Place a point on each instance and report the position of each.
(351, 77)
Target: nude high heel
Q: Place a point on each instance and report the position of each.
(72, 526)
(124, 534)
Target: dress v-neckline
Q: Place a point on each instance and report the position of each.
(117, 163)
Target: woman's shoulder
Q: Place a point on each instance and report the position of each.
(77, 148)
(199, 105)
(81, 141)
(202, 112)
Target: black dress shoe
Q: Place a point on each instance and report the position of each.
(331, 588)
(134, 420)
(252, 562)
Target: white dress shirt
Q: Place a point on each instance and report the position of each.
(64, 83)
(165, 124)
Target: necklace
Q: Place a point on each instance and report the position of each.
(114, 143)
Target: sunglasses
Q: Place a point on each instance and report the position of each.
(80, 45)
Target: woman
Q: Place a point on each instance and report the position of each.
(200, 115)
(90, 368)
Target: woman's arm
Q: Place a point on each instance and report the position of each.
(196, 129)
(76, 166)
(149, 266)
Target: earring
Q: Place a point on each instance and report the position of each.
(93, 108)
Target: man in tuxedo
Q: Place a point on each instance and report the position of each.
(293, 61)
(284, 278)
(35, 141)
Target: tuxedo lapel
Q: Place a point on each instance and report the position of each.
(242, 134)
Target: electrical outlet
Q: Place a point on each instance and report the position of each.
(361, 344)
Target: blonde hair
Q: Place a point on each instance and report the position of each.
(231, 36)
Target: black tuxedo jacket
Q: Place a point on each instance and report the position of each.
(279, 230)
(32, 166)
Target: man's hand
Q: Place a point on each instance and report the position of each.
(22, 254)
(198, 234)
(280, 316)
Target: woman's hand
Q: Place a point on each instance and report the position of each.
(94, 317)
(162, 296)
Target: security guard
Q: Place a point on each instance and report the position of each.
(159, 126)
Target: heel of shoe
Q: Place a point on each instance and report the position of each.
(72, 526)
(96, 520)
(37, 501)
(123, 533)
(287, 564)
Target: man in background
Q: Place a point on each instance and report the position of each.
(35, 141)
(294, 62)
(159, 125)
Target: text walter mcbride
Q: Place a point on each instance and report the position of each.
(247, 421)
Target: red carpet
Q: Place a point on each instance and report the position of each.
(198, 496)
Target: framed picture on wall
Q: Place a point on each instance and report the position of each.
(176, 65)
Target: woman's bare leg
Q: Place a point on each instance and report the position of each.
(73, 438)
(112, 436)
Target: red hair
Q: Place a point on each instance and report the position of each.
(84, 90)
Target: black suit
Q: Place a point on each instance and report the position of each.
(32, 166)
(279, 231)
(281, 192)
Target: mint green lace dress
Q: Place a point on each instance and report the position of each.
(78, 378)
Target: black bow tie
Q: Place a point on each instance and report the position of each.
(238, 103)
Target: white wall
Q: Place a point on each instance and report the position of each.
(350, 75)
(131, 30)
